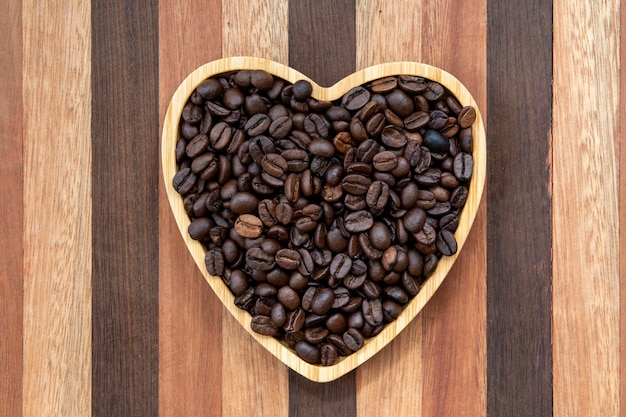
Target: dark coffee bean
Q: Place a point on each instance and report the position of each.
(466, 117)
(417, 120)
(400, 103)
(459, 197)
(393, 137)
(307, 351)
(425, 199)
(242, 203)
(315, 334)
(263, 325)
(322, 301)
(450, 222)
(373, 312)
(430, 177)
(370, 290)
(391, 310)
(238, 282)
(379, 235)
(385, 161)
(446, 243)
(295, 321)
(355, 184)
(438, 119)
(316, 126)
(358, 221)
(278, 315)
(328, 354)
(259, 260)
(214, 261)
(430, 264)
(368, 249)
(434, 91)
(441, 208)
(377, 197)
(414, 220)
(397, 293)
(436, 142)
(307, 266)
(343, 141)
(355, 202)
(410, 284)
(199, 228)
(322, 147)
(367, 150)
(288, 259)
(297, 159)
(463, 165)
(210, 89)
(288, 297)
(302, 90)
(340, 265)
(274, 165)
(338, 342)
(353, 339)
(280, 127)
(355, 98)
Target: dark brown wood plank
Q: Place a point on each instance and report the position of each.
(322, 45)
(125, 208)
(519, 231)
(322, 39)
(11, 209)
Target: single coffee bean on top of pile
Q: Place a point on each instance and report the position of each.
(323, 218)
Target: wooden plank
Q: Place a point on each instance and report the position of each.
(57, 210)
(11, 220)
(190, 359)
(253, 29)
(621, 155)
(585, 197)
(383, 35)
(125, 208)
(455, 345)
(322, 45)
(322, 39)
(519, 238)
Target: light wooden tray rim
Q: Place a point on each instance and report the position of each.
(373, 345)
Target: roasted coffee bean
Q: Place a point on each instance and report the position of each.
(199, 228)
(373, 311)
(243, 202)
(463, 165)
(274, 164)
(466, 117)
(259, 260)
(355, 98)
(385, 161)
(288, 259)
(328, 354)
(377, 196)
(379, 235)
(446, 243)
(280, 127)
(358, 221)
(340, 265)
(214, 261)
(297, 159)
(353, 339)
(288, 297)
(307, 351)
(356, 184)
(400, 103)
(248, 225)
(307, 266)
(414, 220)
(263, 325)
(323, 300)
(417, 120)
(393, 137)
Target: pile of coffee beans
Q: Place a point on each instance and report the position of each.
(323, 218)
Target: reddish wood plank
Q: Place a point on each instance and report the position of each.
(11, 219)
(455, 345)
(255, 29)
(519, 239)
(190, 315)
(57, 209)
(125, 208)
(586, 213)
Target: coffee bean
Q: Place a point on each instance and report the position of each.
(258, 259)
(248, 225)
(385, 161)
(243, 202)
(377, 196)
(414, 220)
(263, 325)
(358, 221)
(353, 339)
(356, 184)
(393, 137)
(400, 103)
(355, 98)
(340, 265)
(307, 351)
(446, 243)
(288, 259)
(463, 166)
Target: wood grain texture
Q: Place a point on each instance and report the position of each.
(322, 45)
(585, 197)
(125, 208)
(621, 166)
(258, 29)
(190, 316)
(455, 345)
(519, 238)
(384, 36)
(11, 210)
(57, 211)
(322, 39)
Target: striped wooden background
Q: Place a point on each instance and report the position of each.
(102, 312)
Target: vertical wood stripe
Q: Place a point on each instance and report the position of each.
(621, 167)
(258, 29)
(383, 35)
(322, 45)
(11, 210)
(125, 208)
(585, 197)
(454, 321)
(57, 211)
(190, 315)
(519, 240)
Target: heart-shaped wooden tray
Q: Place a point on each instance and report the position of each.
(375, 344)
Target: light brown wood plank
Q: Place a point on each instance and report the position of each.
(57, 208)
(252, 29)
(11, 219)
(585, 209)
(455, 347)
(380, 29)
(190, 315)
(621, 155)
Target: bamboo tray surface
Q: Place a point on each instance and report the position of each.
(375, 344)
